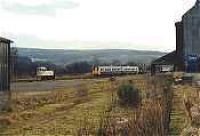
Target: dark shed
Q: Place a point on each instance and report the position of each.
(4, 70)
(167, 60)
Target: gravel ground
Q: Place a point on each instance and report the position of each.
(51, 85)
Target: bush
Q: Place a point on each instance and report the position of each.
(129, 95)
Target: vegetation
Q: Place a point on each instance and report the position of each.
(53, 112)
(26, 68)
(27, 60)
(152, 118)
(78, 68)
(185, 114)
(129, 95)
(137, 105)
(94, 109)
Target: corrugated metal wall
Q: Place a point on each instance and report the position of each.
(191, 23)
(4, 66)
(5, 93)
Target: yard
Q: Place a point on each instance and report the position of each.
(88, 108)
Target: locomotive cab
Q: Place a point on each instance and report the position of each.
(43, 74)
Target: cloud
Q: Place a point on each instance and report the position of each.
(45, 7)
(140, 22)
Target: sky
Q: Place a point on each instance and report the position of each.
(92, 24)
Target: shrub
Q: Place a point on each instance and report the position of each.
(129, 95)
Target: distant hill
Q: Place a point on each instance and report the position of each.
(63, 57)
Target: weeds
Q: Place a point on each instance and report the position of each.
(151, 116)
(101, 115)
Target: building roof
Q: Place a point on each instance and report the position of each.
(194, 11)
(5, 40)
(169, 59)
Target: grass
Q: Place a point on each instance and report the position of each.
(151, 118)
(68, 111)
(179, 116)
(60, 109)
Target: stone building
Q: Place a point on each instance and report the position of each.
(187, 55)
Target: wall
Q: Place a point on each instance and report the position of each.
(191, 22)
(4, 73)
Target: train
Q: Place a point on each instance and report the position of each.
(114, 70)
(43, 74)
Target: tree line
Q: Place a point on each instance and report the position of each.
(25, 67)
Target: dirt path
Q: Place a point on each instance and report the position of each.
(178, 114)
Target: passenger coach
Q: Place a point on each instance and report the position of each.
(115, 70)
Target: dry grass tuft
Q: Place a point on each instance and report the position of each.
(82, 91)
(6, 121)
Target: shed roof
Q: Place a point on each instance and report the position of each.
(169, 59)
(2, 39)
